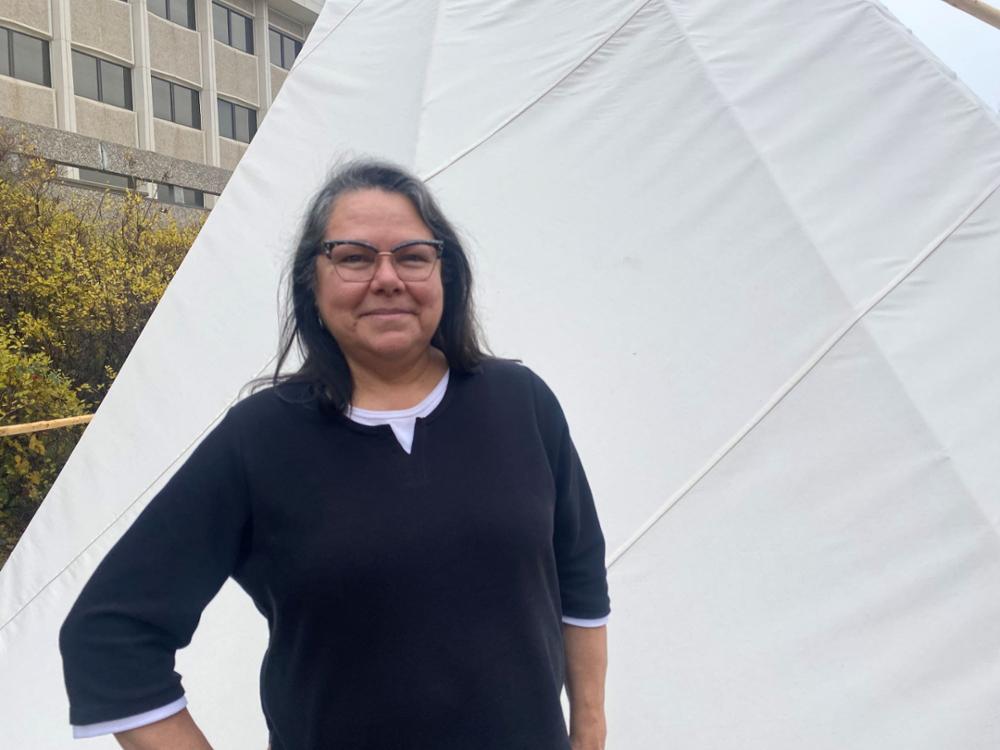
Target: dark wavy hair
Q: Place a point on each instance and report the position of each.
(324, 367)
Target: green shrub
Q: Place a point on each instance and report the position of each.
(77, 284)
(30, 391)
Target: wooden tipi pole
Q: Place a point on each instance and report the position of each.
(48, 424)
(980, 10)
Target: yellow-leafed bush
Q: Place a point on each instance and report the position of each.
(30, 391)
(78, 281)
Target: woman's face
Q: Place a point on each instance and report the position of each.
(385, 319)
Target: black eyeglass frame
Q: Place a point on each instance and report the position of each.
(326, 247)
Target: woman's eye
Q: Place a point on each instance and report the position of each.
(356, 258)
(413, 259)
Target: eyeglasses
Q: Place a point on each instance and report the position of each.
(355, 260)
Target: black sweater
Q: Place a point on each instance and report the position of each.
(413, 601)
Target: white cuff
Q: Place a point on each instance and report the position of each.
(580, 622)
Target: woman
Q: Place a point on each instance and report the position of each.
(410, 515)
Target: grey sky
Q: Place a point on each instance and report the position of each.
(965, 44)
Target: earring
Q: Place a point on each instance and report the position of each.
(319, 318)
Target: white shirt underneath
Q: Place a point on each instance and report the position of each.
(403, 422)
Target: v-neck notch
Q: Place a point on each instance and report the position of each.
(401, 425)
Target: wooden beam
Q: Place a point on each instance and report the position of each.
(48, 424)
(980, 10)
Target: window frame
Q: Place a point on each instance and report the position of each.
(168, 16)
(173, 103)
(232, 117)
(129, 99)
(282, 36)
(11, 63)
(198, 196)
(130, 182)
(228, 41)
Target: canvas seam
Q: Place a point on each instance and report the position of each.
(789, 385)
(427, 75)
(823, 349)
(597, 48)
(933, 433)
(302, 58)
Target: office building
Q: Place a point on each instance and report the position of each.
(157, 95)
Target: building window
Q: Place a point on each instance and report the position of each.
(176, 103)
(102, 80)
(108, 179)
(232, 28)
(284, 49)
(179, 11)
(236, 122)
(182, 196)
(24, 57)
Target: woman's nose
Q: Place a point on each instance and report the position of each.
(385, 273)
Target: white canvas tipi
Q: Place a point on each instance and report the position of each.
(755, 249)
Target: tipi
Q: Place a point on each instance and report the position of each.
(755, 249)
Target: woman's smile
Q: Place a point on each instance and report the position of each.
(388, 313)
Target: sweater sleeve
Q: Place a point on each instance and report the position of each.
(129, 722)
(145, 599)
(577, 537)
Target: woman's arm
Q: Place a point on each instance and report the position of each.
(177, 732)
(145, 598)
(586, 667)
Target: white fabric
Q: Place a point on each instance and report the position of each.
(753, 248)
(586, 623)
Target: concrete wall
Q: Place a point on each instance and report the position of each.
(179, 141)
(174, 50)
(230, 153)
(33, 14)
(27, 101)
(243, 6)
(278, 76)
(106, 122)
(82, 151)
(104, 25)
(287, 25)
(236, 74)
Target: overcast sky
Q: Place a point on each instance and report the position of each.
(965, 44)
